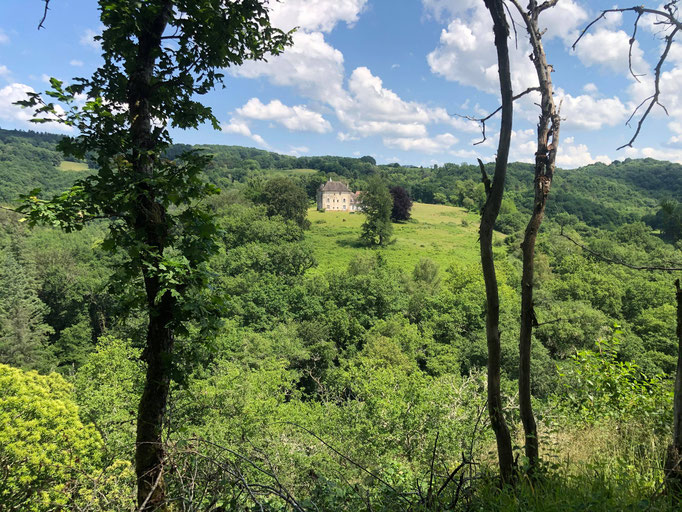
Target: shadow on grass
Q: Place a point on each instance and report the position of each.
(354, 243)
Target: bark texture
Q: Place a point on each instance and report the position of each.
(545, 158)
(150, 219)
(491, 209)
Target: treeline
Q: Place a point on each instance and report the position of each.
(604, 196)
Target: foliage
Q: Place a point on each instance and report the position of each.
(402, 204)
(107, 387)
(377, 205)
(597, 386)
(49, 459)
(23, 331)
(285, 198)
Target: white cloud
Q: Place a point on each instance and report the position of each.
(315, 15)
(4, 38)
(437, 144)
(298, 150)
(673, 155)
(563, 20)
(572, 155)
(239, 127)
(589, 113)
(4, 71)
(466, 52)
(372, 109)
(13, 113)
(297, 118)
(610, 49)
(88, 39)
(76, 63)
(311, 66)
(590, 88)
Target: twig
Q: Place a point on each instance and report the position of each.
(42, 20)
(670, 20)
(482, 120)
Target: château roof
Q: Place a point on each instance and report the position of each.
(334, 186)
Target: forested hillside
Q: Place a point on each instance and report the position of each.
(599, 195)
(328, 351)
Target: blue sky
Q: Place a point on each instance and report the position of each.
(386, 78)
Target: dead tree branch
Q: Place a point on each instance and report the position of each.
(669, 19)
(483, 120)
(42, 20)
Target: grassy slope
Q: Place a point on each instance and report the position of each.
(435, 232)
(72, 166)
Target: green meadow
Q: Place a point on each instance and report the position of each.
(445, 234)
(72, 166)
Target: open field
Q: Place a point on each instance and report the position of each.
(72, 166)
(444, 234)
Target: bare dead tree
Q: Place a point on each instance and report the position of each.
(545, 160)
(494, 191)
(668, 18)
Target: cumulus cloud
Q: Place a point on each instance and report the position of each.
(437, 144)
(672, 155)
(466, 51)
(311, 66)
(589, 113)
(15, 114)
(610, 49)
(315, 15)
(297, 118)
(572, 155)
(240, 127)
(466, 55)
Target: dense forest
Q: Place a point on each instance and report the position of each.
(344, 388)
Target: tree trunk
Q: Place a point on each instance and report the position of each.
(673, 469)
(545, 157)
(489, 214)
(150, 219)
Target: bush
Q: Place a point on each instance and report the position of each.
(48, 458)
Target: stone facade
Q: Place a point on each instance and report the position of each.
(336, 196)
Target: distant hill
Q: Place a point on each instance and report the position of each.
(29, 160)
(600, 195)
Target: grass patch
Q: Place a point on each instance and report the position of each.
(436, 232)
(73, 166)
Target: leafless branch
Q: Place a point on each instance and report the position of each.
(631, 45)
(668, 18)
(657, 88)
(42, 20)
(483, 120)
(617, 262)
